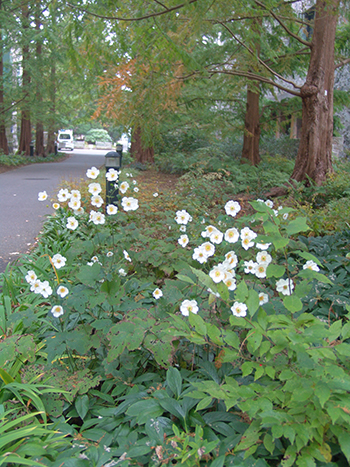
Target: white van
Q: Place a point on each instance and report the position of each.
(65, 140)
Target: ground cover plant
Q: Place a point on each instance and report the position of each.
(176, 330)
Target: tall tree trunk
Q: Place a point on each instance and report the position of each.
(314, 157)
(26, 131)
(250, 152)
(251, 139)
(39, 127)
(140, 153)
(50, 149)
(3, 139)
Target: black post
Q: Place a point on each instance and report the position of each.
(31, 149)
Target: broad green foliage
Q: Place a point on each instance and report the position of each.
(253, 371)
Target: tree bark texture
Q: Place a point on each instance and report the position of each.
(314, 157)
(3, 139)
(26, 130)
(250, 152)
(50, 149)
(39, 127)
(138, 151)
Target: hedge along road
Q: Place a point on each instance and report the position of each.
(21, 214)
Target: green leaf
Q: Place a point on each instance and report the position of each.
(7, 379)
(144, 410)
(198, 323)
(292, 303)
(183, 278)
(310, 274)
(241, 292)
(82, 405)
(174, 380)
(296, 226)
(253, 301)
(344, 441)
(323, 393)
(268, 443)
(275, 270)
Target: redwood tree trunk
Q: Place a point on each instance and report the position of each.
(50, 149)
(140, 153)
(314, 157)
(26, 131)
(251, 139)
(3, 139)
(39, 127)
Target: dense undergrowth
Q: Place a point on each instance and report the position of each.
(203, 328)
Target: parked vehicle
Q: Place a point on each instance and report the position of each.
(65, 140)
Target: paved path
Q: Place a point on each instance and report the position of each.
(21, 214)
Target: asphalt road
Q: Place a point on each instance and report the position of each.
(21, 214)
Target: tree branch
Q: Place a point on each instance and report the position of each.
(117, 18)
(288, 31)
(342, 63)
(259, 59)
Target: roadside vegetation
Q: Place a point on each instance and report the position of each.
(205, 325)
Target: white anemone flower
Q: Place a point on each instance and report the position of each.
(216, 237)
(72, 223)
(36, 286)
(126, 256)
(231, 284)
(97, 217)
(263, 257)
(130, 204)
(209, 230)
(183, 217)
(311, 265)
(111, 209)
(31, 277)
(249, 267)
(63, 195)
(208, 248)
(217, 274)
(58, 261)
(231, 259)
(94, 188)
(260, 270)
(285, 216)
(232, 208)
(97, 201)
(247, 243)
(74, 204)
(112, 175)
(157, 293)
(199, 255)
(122, 272)
(62, 291)
(246, 232)
(182, 228)
(124, 187)
(231, 235)
(109, 254)
(262, 246)
(155, 195)
(269, 203)
(57, 311)
(134, 182)
(136, 190)
(239, 309)
(183, 240)
(56, 206)
(79, 211)
(42, 196)
(92, 173)
(285, 286)
(75, 194)
(46, 289)
(189, 306)
(263, 298)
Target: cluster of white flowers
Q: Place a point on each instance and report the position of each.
(43, 287)
(258, 268)
(97, 217)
